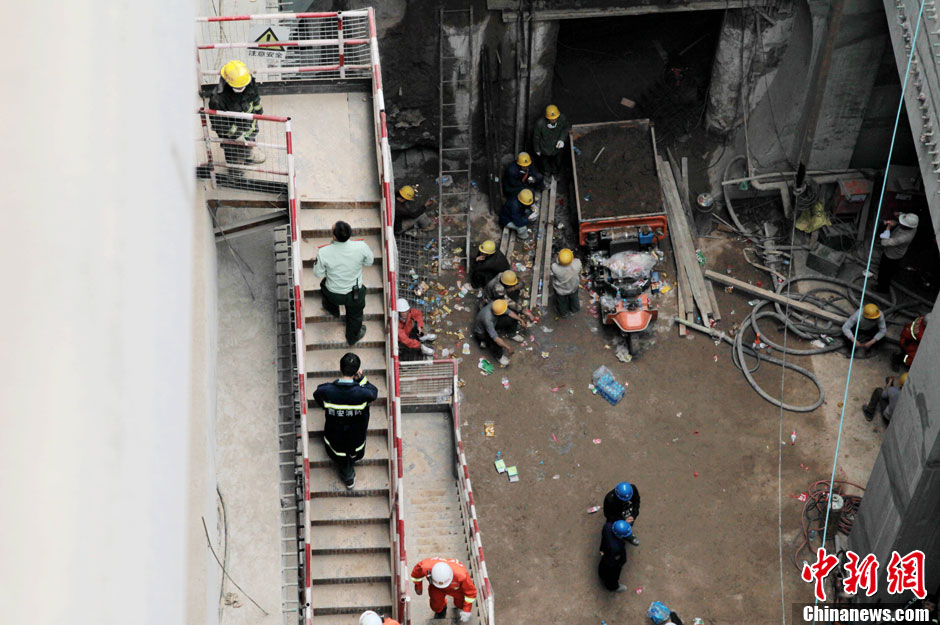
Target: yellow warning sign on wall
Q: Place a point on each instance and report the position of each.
(268, 35)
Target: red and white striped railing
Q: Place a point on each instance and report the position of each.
(471, 523)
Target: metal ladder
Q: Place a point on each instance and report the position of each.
(455, 142)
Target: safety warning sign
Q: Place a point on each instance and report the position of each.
(268, 35)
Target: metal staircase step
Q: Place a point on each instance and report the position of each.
(310, 246)
(351, 538)
(371, 277)
(314, 311)
(313, 381)
(350, 567)
(318, 222)
(352, 598)
(378, 423)
(370, 479)
(327, 334)
(337, 510)
(326, 361)
(376, 451)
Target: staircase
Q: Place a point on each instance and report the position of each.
(351, 548)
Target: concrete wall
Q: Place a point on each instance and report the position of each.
(99, 323)
(902, 502)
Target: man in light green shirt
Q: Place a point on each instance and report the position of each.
(340, 265)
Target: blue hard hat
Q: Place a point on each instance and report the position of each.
(624, 491)
(622, 529)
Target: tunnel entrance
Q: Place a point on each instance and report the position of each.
(660, 62)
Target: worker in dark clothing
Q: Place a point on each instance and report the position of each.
(613, 554)
(346, 404)
(885, 399)
(518, 212)
(548, 139)
(895, 240)
(521, 175)
(623, 504)
(409, 214)
(237, 92)
(489, 263)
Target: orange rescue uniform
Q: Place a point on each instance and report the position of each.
(389, 621)
(910, 339)
(461, 587)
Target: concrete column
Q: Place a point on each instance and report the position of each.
(901, 507)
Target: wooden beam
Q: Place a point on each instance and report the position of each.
(774, 297)
(539, 247)
(549, 235)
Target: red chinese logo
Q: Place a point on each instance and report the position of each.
(906, 573)
(818, 571)
(862, 574)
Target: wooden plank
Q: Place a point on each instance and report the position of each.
(685, 181)
(710, 290)
(504, 242)
(549, 234)
(539, 248)
(682, 187)
(681, 308)
(773, 297)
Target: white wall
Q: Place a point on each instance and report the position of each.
(96, 321)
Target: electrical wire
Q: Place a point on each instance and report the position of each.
(224, 572)
(871, 249)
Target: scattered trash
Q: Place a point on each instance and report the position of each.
(695, 473)
(571, 391)
(489, 429)
(752, 302)
(665, 288)
(446, 181)
(466, 348)
(485, 366)
(547, 330)
(697, 621)
(513, 473)
(639, 589)
(607, 385)
(658, 613)
(544, 354)
(793, 437)
(556, 477)
(500, 465)
(678, 415)
(554, 438)
(596, 441)
(801, 497)
(623, 353)
(593, 509)
(804, 467)
(445, 353)
(715, 357)
(627, 102)
(555, 389)
(700, 256)
(505, 382)
(461, 383)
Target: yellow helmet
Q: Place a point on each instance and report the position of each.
(552, 113)
(509, 278)
(523, 160)
(870, 311)
(500, 307)
(407, 192)
(236, 74)
(565, 256)
(902, 379)
(525, 196)
(488, 247)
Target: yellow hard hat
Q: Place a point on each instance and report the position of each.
(523, 160)
(870, 311)
(488, 247)
(552, 113)
(407, 192)
(525, 196)
(236, 74)
(509, 278)
(902, 379)
(500, 307)
(565, 256)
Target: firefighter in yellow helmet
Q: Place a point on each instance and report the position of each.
(508, 287)
(871, 329)
(521, 174)
(549, 139)
(517, 212)
(409, 214)
(885, 399)
(493, 321)
(237, 92)
(566, 282)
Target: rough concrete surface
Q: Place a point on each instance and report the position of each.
(247, 443)
(698, 442)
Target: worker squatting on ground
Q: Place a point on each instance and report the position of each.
(490, 262)
(495, 318)
(446, 577)
(521, 175)
(411, 335)
(566, 282)
(548, 140)
(345, 403)
(613, 554)
(871, 329)
(507, 286)
(623, 504)
(371, 618)
(909, 342)
(895, 240)
(409, 214)
(237, 92)
(518, 212)
(340, 265)
(884, 399)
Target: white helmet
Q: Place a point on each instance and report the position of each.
(908, 220)
(403, 305)
(370, 618)
(442, 575)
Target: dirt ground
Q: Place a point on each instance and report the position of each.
(699, 443)
(622, 180)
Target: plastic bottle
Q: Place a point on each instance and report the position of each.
(793, 437)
